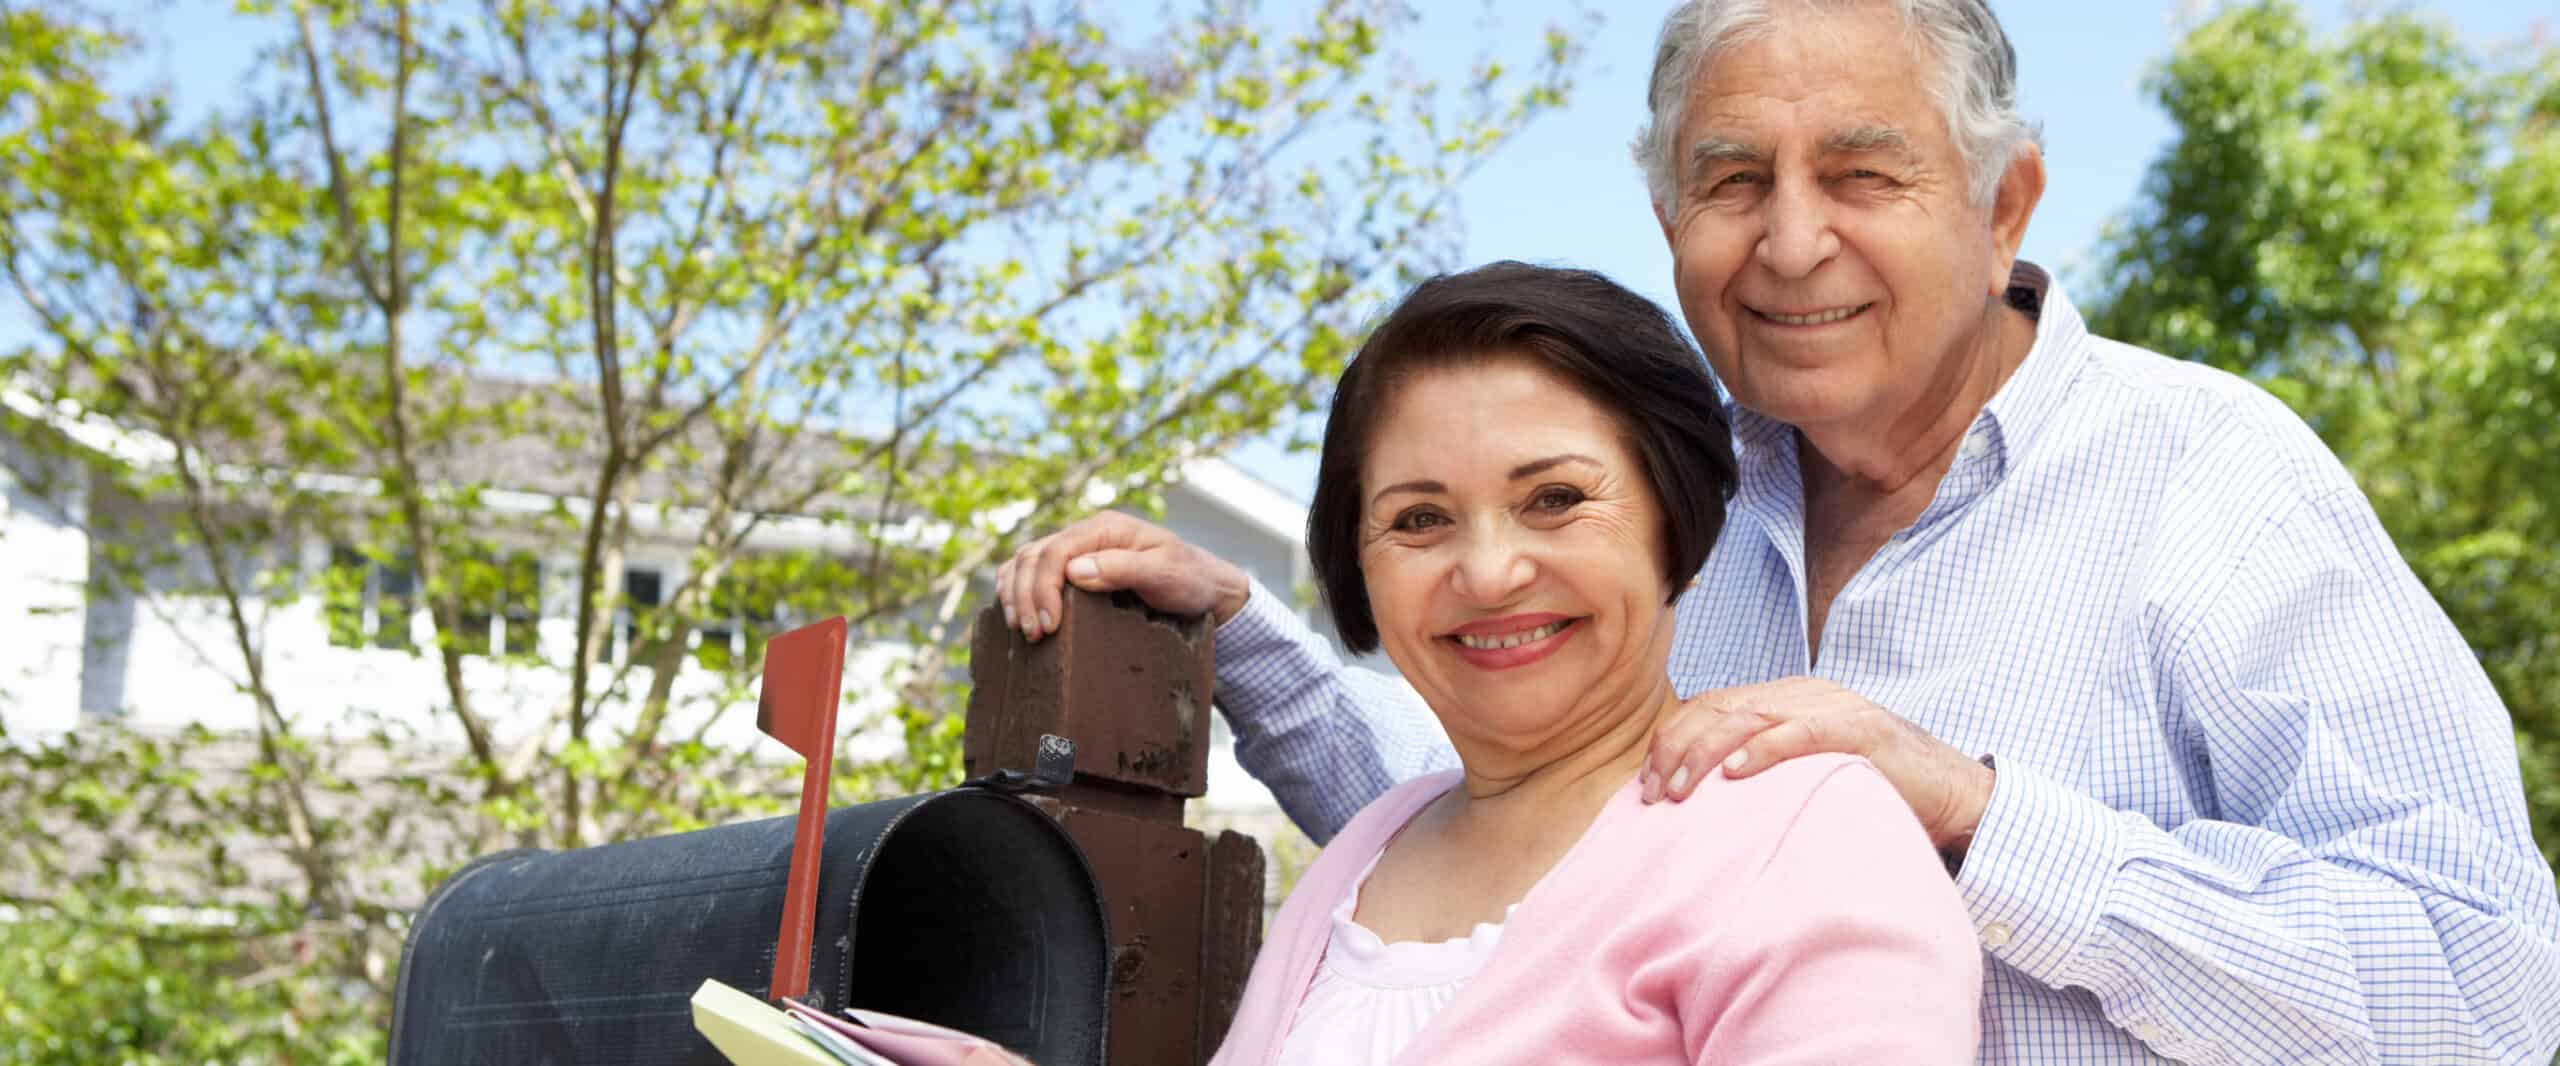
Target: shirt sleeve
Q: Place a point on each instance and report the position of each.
(1849, 946)
(2363, 886)
(1326, 737)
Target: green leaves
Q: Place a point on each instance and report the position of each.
(461, 318)
(116, 961)
(2363, 223)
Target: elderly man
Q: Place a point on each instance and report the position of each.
(2216, 778)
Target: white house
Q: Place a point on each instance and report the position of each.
(71, 653)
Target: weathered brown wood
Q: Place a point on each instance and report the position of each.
(1154, 877)
(1231, 931)
(1130, 686)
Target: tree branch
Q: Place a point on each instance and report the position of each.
(338, 192)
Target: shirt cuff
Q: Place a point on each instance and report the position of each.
(1264, 656)
(1262, 628)
(1261, 621)
(2037, 874)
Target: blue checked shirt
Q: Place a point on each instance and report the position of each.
(2256, 800)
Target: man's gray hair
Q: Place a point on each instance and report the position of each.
(1977, 83)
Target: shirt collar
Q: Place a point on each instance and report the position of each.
(2028, 400)
(2016, 413)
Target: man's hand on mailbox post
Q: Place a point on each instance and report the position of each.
(1108, 552)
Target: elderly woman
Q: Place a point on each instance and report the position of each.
(1521, 468)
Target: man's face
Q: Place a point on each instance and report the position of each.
(1824, 246)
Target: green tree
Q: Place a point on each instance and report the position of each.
(922, 276)
(2364, 223)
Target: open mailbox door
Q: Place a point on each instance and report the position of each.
(967, 908)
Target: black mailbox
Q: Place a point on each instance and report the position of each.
(968, 908)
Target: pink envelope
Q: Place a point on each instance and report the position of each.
(908, 1041)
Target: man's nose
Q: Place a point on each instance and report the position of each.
(1492, 568)
(1796, 236)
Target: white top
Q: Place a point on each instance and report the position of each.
(1370, 997)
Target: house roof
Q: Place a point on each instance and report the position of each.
(545, 456)
(1252, 500)
(540, 444)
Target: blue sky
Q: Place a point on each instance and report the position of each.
(1565, 192)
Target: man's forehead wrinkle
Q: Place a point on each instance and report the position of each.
(1847, 98)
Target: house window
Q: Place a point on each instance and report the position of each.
(742, 616)
(643, 590)
(501, 606)
(367, 601)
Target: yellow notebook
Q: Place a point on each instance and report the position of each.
(751, 1033)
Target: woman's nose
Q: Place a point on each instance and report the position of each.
(1492, 569)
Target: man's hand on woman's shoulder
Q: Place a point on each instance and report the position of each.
(1108, 552)
(1749, 728)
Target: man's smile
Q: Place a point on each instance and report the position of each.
(1812, 317)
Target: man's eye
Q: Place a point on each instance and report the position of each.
(1736, 179)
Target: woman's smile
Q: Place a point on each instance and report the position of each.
(1512, 640)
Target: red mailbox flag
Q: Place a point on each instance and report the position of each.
(803, 683)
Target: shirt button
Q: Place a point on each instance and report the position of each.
(1973, 447)
(1995, 935)
(2146, 1032)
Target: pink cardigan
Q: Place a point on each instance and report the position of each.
(1797, 916)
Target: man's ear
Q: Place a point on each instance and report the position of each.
(2021, 188)
(1663, 218)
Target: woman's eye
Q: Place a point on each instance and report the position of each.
(1415, 522)
(1555, 499)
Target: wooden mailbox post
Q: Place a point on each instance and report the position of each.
(1131, 687)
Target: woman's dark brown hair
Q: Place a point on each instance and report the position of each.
(1618, 348)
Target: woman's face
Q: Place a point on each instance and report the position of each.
(1509, 546)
